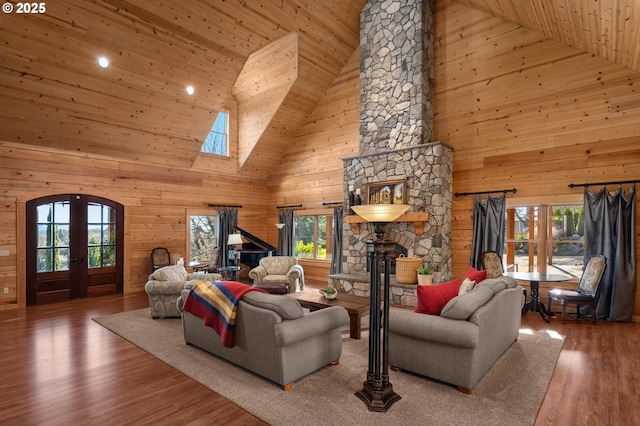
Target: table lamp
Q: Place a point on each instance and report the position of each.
(377, 392)
(235, 240)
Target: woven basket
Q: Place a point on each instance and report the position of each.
(406, 269)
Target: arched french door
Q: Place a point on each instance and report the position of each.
(74, 247)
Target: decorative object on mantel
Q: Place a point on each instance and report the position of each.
(406, 268)
(388, 192)
(377, 392)
(425, 275)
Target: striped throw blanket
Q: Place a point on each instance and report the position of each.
(216, 303)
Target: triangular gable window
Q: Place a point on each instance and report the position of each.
(217, 141)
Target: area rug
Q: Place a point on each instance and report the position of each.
(510, 393)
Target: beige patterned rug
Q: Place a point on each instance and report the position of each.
(510, 393)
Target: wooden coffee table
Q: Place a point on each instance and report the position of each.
(356, 306)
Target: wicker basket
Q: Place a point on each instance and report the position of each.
(406, 269)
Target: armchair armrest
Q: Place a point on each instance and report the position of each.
(293, 274)
(258, 273)
(293, 331)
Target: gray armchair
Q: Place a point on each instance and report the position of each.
(279, 269)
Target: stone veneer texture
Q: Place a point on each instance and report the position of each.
(396, 74)
(428, 170)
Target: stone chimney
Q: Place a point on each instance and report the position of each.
(396, 132)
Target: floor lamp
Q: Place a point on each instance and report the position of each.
(377, 393)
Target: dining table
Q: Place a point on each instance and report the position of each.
(534, 278)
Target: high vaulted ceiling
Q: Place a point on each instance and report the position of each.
(607, 28)
(54, 94)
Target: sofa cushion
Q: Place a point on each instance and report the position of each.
(287, 308)
(500, 283)
(462, 307)
(475, 275)
(432, 298)
(466, 286)
(170, 273)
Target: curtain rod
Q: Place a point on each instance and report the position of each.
(462, 194)
(297, 206)
(333, 203)
(619, 182)
(224, 206)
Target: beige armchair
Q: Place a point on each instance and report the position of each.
(165, 285)
(279, 269)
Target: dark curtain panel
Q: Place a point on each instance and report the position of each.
(285, 240)
(488, 227)
(228, 223)
(609, 229)
(336, 249)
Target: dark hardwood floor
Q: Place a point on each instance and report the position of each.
(57, 366)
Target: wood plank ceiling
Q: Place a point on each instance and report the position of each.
(606, 28)
(54, 94)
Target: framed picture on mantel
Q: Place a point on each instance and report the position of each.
(388, 192)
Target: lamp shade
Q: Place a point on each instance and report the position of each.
(234, 239)
(380, 212)
(279, 225)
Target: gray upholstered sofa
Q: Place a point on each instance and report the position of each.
(460, 349)
(165, 285)
(274, 337)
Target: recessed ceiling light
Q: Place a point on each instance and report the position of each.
(190, 90)
(103, 61)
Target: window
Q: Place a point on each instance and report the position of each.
(559, 248)
(217, 141)
(203, 236)
(101, 235)
(312, 236)
(53, 236)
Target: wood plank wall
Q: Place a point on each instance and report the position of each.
(527, 112)
(311, 172)
(519, 110)
(156, 201)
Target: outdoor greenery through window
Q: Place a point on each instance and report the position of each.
(559, 248)
(312, 236)
(101, 234)
(217, 141)
(203, 236)
(53, 236)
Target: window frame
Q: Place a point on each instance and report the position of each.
(329, 216)
(227, 115)
(540, 237)
(216, 241)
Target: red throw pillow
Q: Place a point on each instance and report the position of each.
(432, 298)
(475, 275)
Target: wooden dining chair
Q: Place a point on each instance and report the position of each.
(492, 263)
(212, 265)
(587, 293)
(160, 257)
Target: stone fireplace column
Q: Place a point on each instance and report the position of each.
(396, 132)
(396, 74)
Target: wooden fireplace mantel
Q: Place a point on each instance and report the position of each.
(418, 220)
